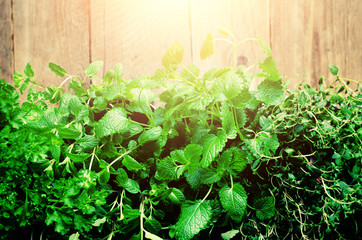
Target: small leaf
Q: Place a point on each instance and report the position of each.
(78, 157)
(99, 221)
(93, 68)
(207, 48)
(225, 31)
(229, 234)
(58, 70)
(29, 70)
(333, 69)
(74, 236)
(264, 46)
(173, 56)
(104, 176)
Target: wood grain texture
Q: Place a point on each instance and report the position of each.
(137, 33)
(6, 42)
(307, 36)
(51, 31)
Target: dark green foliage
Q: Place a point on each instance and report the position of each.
(214, 161)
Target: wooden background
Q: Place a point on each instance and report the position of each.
(305, 35)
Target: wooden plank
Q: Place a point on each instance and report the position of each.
(247, 19)
(308, 35)
(137, 33)
(6, 36)
(51, 31)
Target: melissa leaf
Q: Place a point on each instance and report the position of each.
(190, 72)
(166, 169)
(233, 199)
(149, 135)
(270, 92)
(58, 70)
(212, 146)
(270, 70)
(131, 164)
(194, 217)
(228, 122)
(207, 48)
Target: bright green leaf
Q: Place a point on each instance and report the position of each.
(233, 199)
(58, 70)
(194, 217)
(333, 69)
(114, 121)
(131, 164)
(270, 92)
(29, 71)
(93, 68)
(132, 186)
(150, 135)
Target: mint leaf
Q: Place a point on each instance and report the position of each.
(114, 121)
(194, 217)
(132, 186)
(233, 199)
(131, 164)
(333, 69)
(173, 56)
(93, 68)
(265, 208)
(176, 196)
(270, 92)
(58, 70)
(207, 48)
(149, 135)
(104, 176)
(29, 70)
(166, 169)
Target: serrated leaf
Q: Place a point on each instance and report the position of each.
(190, 72)
(68, 133)
(114, 121)
(29, 71)
(150, 135)
(173, 56)
(152, 225)
(207, 48)
(114, 92)
(230, 84)
(229, 234)
(87, 142)
(132, 186)
(264, 46)
(131, 164)
(194, 179)
(212, 146)
(233, 199)
(166, 169)
(194, 217)
(93, 68)
(265, 208)
(270, 70)
(333, 69)
(271, 93)
(210, 177)
(58, 70)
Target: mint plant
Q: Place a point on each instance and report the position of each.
(215, 160)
